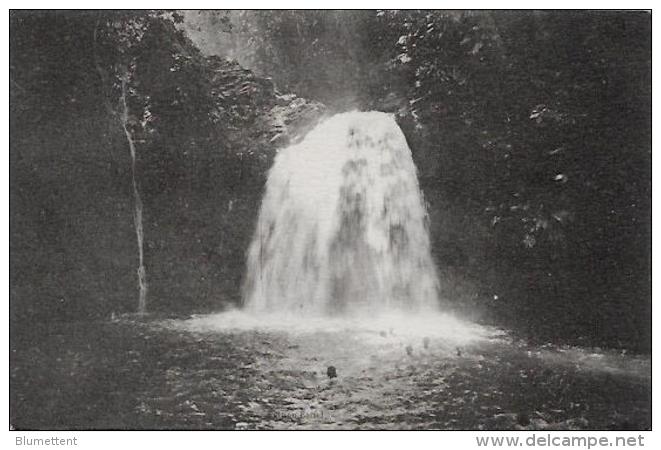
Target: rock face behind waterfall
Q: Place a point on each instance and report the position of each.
(342, 226)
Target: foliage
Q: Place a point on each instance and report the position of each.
(204, 129)
(530, 130)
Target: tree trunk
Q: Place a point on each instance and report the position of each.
(123, 117)
(137, 202)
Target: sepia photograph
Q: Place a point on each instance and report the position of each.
(330, 219)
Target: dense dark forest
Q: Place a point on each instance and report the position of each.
(531, 132)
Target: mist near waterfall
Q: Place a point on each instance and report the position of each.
(342, 246)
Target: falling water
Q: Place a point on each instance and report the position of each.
(342, 227)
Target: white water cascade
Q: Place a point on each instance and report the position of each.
(342, 227)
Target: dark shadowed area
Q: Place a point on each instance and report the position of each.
(140, 145)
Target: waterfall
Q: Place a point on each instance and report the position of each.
(342, 228)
